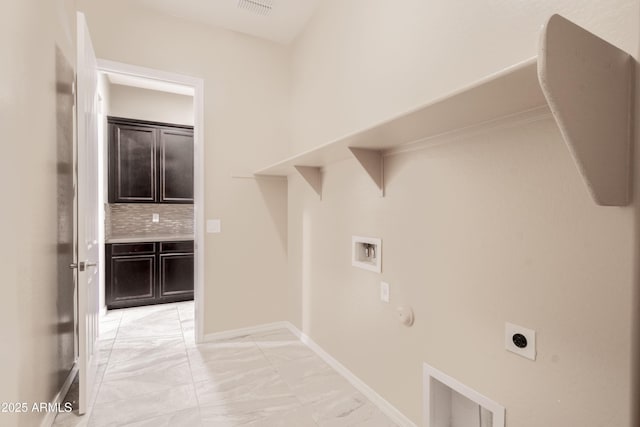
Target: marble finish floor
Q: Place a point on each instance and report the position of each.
(153, 374)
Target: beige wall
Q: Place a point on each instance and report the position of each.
(491, 227)
(246, 105)
(145, 104)
(31, 326)
(362, 61)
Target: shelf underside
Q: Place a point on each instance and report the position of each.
(585, 81)
(513, 90)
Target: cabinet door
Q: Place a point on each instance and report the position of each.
(176, 166)
(132, 163)
(176, 277)
(130, 280)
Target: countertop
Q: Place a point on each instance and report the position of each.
(149, 238)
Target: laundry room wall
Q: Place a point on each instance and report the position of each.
(478, 228)
(247, 117)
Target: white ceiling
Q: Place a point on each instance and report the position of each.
(282, 24)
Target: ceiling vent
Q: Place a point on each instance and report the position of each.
(260, 7)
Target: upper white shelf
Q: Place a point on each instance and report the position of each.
(585, 81)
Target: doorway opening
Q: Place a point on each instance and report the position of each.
(154, 241)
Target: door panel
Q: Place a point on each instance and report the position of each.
(86, 213)
(176, 276)
(66, 350)
(176, 166)
(132, 164)
(131, 280)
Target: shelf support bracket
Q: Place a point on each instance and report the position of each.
(372, 162)
(588, 84)
(313, 176)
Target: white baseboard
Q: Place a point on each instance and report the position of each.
(387, 408)
(245, 331)
(50, 417)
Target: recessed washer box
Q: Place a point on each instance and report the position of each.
(449, 403)
(367, 253)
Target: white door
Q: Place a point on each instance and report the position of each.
(87, 214)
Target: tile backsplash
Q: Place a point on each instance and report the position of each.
(132, 219)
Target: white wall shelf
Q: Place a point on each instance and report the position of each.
(313, 176)
(585, 81)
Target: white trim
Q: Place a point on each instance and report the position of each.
(234, 333)
(148, 73)
(260, 177)
(198, 178)
(385, 407)
(199, 207)
(50, 417)
(429, 373)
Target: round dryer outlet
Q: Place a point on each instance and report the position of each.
(405, 315)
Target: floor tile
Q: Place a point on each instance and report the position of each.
(185, 418)
(253, 385)
(226, 361)
(71, 419)
(149, 382)
(345, 408)
(230, 349)
(313, 381)
(152, 374)
(300, 417)
(224, 370)
(149, 349)
(162, 368)
(142, 407)
(245, 412)
(150, 323)
(281, 346)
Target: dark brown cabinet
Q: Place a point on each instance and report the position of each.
(175, 269)
(148, 273)
(176, 166)
(150, 162)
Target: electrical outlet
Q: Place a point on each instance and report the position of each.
(155, 217)
(384, 292)
(519, 340)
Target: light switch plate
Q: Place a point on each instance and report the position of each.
(384, 292)
(213, 226)
(519, 340)
(155, 217)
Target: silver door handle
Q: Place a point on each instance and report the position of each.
(83, 265)
(86, 264)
